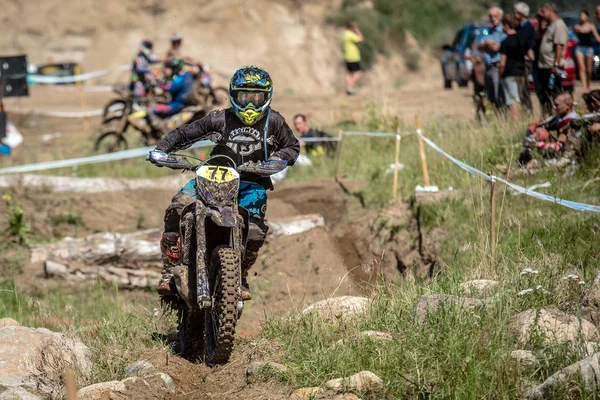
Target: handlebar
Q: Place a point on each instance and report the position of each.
(180, 162)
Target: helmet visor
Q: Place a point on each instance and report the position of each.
(244, 98)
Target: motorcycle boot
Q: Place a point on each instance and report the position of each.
(247, 263)
(170, 249)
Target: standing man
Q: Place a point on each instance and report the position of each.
(526, 33)
(551, 52)
(352, 37)
(597, 13)
(490, 45)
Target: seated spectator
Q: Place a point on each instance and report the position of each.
(305, 131)
(553, 137)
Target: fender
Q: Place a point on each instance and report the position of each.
(222, 216)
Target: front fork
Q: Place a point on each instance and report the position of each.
(202, 283)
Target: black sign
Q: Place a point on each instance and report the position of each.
(13, 76)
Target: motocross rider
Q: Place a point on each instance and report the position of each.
(141, 75)
(248, 131)
(179, 86)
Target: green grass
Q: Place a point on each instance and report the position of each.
(118, 327)
(457, 353)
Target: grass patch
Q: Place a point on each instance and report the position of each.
(458, 353)
(118, 327)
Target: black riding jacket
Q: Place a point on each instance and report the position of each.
(237, 140)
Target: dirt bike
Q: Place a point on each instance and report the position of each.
(203, 92)
(214, 231)
(126, 103)
(114, 140)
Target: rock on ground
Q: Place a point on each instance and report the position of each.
(34, 360)
(479, 285)
(524, 357)
(268, 368)
(364, 382)
(591, 302)
(4, 322)
(431, 303)
(557, 326)
(361, 382)
(309, 393)
(338, 307)
(155, 386)
(375, 336)
(586, 372)
(139, 368)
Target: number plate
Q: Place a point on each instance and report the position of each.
(217, 174)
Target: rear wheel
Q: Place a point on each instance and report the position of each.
(114, 111)
(221, 318)
(110, 141)
(218, 97)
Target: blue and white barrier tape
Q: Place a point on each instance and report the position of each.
(100, 158)
(75, 78)
(540, 196)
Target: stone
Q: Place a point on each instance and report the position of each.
(34, 360)
(139, 368)
(361, 382)
(102, 390)
(557, 326)
(18, 394)
(524, 357)
(431, 303)
(345, 396)
(4, 322)
(309, 393)
(376, 336)
(53, 269)
(338, 307)
(592, 298)
(161, 386)
(479, 285)
(585, 372)
(161, 380)
(268, 368)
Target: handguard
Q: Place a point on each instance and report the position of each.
(264, 168)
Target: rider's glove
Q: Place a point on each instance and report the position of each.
(156, 155)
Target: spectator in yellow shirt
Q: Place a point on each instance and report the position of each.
(352, 37)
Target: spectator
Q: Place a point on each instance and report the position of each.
(584, 52)
(597, 13)
(490, 44)
(526, 32)
(305, 131)
(175, 49)
(552, 47)
(512, 65)
(352, 37)
(562, 146)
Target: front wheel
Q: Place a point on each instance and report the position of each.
(189, 331)
(221, 317)
(110, 141)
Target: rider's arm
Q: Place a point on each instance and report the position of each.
(288, 147)
(185, 135)
(174, 86)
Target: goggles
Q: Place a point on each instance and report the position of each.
(243, 98)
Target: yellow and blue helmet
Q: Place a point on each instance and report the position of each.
(250, 93)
